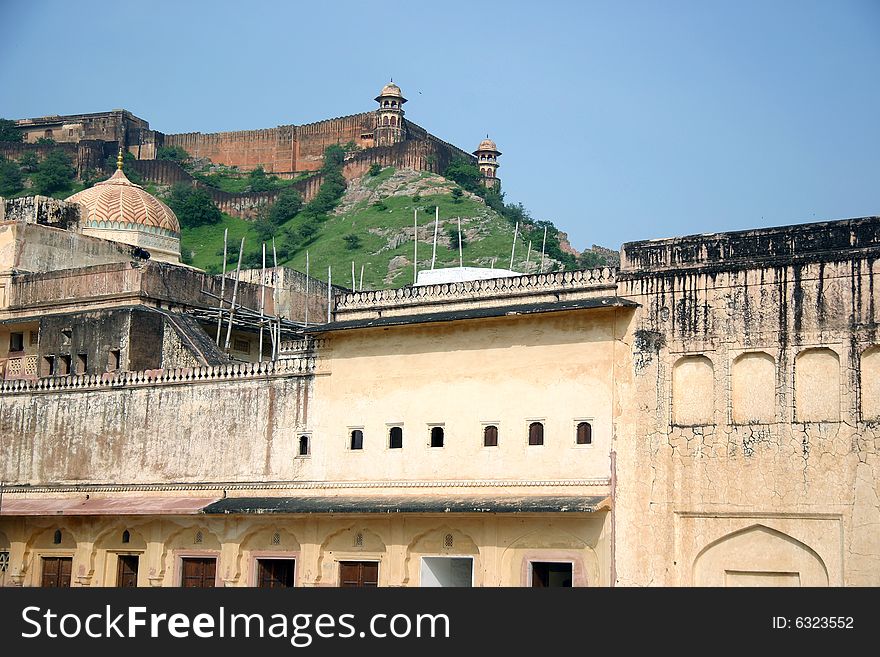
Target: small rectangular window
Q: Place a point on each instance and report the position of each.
(34, 338)
(490, 435)
(395, 438)
(356, 439)
(437, 436)
(113, 360)
(82, 363)
(48, 366)
(63, 365)
(243, 346)
(584, 433)
(304, 447)
(536, 433)
(16, 342)
(66, 336)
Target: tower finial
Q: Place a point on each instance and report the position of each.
(119, 160)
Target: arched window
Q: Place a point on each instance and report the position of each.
(357, 439)
(393, 103)
(395, 438)
(490, 436)
(126, 536)
(303, 446)
(384, 120)
(584, 434)
(536, 433)
(385, 104)
(436, 436)
(56, 538)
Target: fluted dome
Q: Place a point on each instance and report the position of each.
(117, 209)
(391, 89)
(487, 145)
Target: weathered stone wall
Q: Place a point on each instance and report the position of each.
(229, 423)
(743, 430)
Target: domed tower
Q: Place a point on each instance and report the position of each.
(390, 128)
(487, 159)
(117, 209)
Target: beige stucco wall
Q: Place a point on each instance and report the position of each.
(501, 546)
(556, 368)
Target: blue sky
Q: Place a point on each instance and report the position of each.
(618, 120)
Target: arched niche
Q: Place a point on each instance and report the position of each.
(759, 556)
(753, 388)
(817, 386)
(870, 383)
(693, 391)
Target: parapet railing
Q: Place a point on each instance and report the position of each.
(215, 373)
(512, 285)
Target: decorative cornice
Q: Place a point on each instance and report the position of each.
(300, 366)
(481, 289)
(301, 485)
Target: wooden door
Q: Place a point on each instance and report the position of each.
(275, 573)
(358, 573)
(198, 573)
(56, 571)
(127, 571)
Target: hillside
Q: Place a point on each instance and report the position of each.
(378, 212)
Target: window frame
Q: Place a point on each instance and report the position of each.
(348, 438)
(574, 424)
(483, 426)
(529, 422)
(388, 427)
(431, 427)
(299, 436)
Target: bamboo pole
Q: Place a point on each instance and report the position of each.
(353, 281)
(307, 290)
(329, 291)
(262, 302)
(543, 246)
(436, 226)
(460, 256)
(529, 257)
(222, 288)
(234, 297)
(361, 286)
(276, 343)
(513, 248)
(415, 245)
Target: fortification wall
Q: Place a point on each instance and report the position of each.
(746, 443)
(244, 205)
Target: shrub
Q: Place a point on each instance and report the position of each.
(172, 153)
(457, 194)
(375, 169)
(352, 242)
(29, 162)
(54, 174)
(286, 206)
(11, 181)
(193, 206)
(9, 131)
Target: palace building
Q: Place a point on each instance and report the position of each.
(705, 414)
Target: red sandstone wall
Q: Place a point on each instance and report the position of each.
(283, 150)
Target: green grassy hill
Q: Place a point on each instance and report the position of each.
(378, 210)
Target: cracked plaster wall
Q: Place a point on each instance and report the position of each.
(815, 482)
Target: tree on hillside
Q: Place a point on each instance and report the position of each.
(287, 205)
(352, 242)
(172, 153)
(29, 162)
(375, 169)
(54, 174)
(258, 181)
(465, 174)
(193, 206)
(10, 177)
(9, 131)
